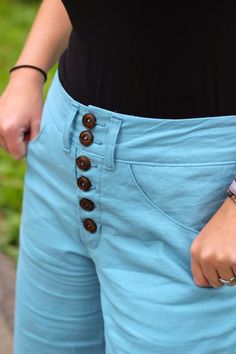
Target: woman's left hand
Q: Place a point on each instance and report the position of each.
(213, 251)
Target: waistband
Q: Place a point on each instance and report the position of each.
(130, 138)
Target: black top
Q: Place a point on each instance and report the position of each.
(152, 58)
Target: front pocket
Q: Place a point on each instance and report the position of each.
(43, 124)
(36, 138)
(187, 194)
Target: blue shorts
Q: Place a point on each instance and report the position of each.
(112, 203)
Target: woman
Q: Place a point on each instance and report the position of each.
(127, 237)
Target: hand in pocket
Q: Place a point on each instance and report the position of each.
(21, 107)
(213, 251)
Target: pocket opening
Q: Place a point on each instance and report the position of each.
(149, 200)
(185, 195)
(36, 138)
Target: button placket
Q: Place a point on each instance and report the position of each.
(87, 204)
(86, 137)
(84, 183)
(89, 120)
(83, 163)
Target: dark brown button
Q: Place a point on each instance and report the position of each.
(84, 183)
(83, 162)
(89, 120)
(90, 225)
(86, 137)
(86, 204)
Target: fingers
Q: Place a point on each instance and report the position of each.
(226, 272)
(198, 275)
(3, 144)
(233, 268)
(213, 275)
(34, 131)
(206, 270)
(12, 141)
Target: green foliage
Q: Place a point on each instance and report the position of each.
(16, 18)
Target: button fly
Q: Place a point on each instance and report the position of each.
(86, 137)
(84, 183)
(89, 120)
(90, 225)
(83, 162)
(87, 204)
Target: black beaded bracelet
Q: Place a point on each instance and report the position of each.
(32, 67)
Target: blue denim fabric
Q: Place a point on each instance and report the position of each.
(126, 288)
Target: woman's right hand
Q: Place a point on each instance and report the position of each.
(21, 107)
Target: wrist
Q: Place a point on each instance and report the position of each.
(24, 76)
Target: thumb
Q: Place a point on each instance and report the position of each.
(34, 131)
(15, 144)
(20, 146)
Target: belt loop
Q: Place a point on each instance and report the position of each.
(115, 124)
(69, 122)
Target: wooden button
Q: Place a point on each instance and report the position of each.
(84, 183)
(86, 204)
(86, 137)
(90, 225)
(83, 162)
(89, 120)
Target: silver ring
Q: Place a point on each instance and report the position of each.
(229, 282)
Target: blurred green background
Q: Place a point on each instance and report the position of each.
(16, 18)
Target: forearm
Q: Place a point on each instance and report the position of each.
(47, 38)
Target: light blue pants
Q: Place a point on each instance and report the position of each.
(112, 274)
